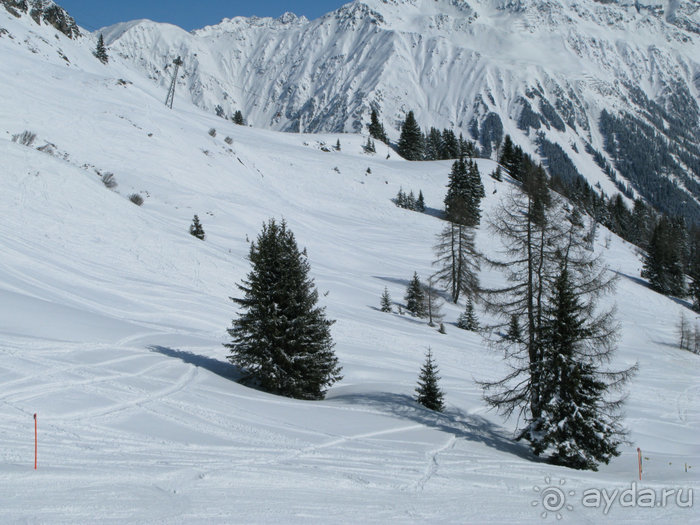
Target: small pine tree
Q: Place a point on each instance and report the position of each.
(376, 129)
(497, 174)
(196, 229)
(369, 147)
(420, 203)
(514, 334)
(468, 320)
(428, 391)
(386, 301)
(337, 145)
(411, 201)
(442, 328)
(238, 118)
(415, 297)
(101, 51)
(400, 199)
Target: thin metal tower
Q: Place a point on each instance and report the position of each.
(171, 91)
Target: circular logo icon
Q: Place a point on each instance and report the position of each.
(553, 498)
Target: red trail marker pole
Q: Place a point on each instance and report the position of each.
(35, 442)
(639, 456)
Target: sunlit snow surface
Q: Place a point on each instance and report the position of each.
(112, 319)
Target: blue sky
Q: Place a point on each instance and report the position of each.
(189, 14)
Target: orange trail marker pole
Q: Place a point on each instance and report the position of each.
(35, 442)
(639, 455)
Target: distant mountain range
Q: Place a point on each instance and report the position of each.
(614, 84)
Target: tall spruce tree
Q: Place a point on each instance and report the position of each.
(281, 338)
(663, 263)
(415, 297)
(433, 144)
(420, 202)
(464, 193)
(376, 128)
(410, 145)
(428, 392)
(580, 424)
(101, 51)
(512, 159)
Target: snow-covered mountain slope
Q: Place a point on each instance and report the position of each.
(532, 69)
(112, 319)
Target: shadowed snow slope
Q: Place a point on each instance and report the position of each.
(112, 319)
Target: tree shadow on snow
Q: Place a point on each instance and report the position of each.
(406, 316)
(645, 284)
(465, 426)
(434, 212)
(220, 368)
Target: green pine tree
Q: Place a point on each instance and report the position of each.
(400, 200)
(579, 424)
(663, 263)
(281, 338)
(196, 229)
(415, 297)
(386, 301)
(467, 320)
(238, 118)
(420, 202)
(410, 145)
(101, 51)
(428, 391)
(376, 129)
(514, 333)
(464, 193)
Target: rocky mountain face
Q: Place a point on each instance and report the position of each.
(44, 11)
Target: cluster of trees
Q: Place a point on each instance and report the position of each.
(671, 248)
(434, 145)
(237, 117)
(651, 160)
(410, 201)
(554, 337)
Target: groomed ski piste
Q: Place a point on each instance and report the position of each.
(112, 320)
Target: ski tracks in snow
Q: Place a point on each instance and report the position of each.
(433, 465)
